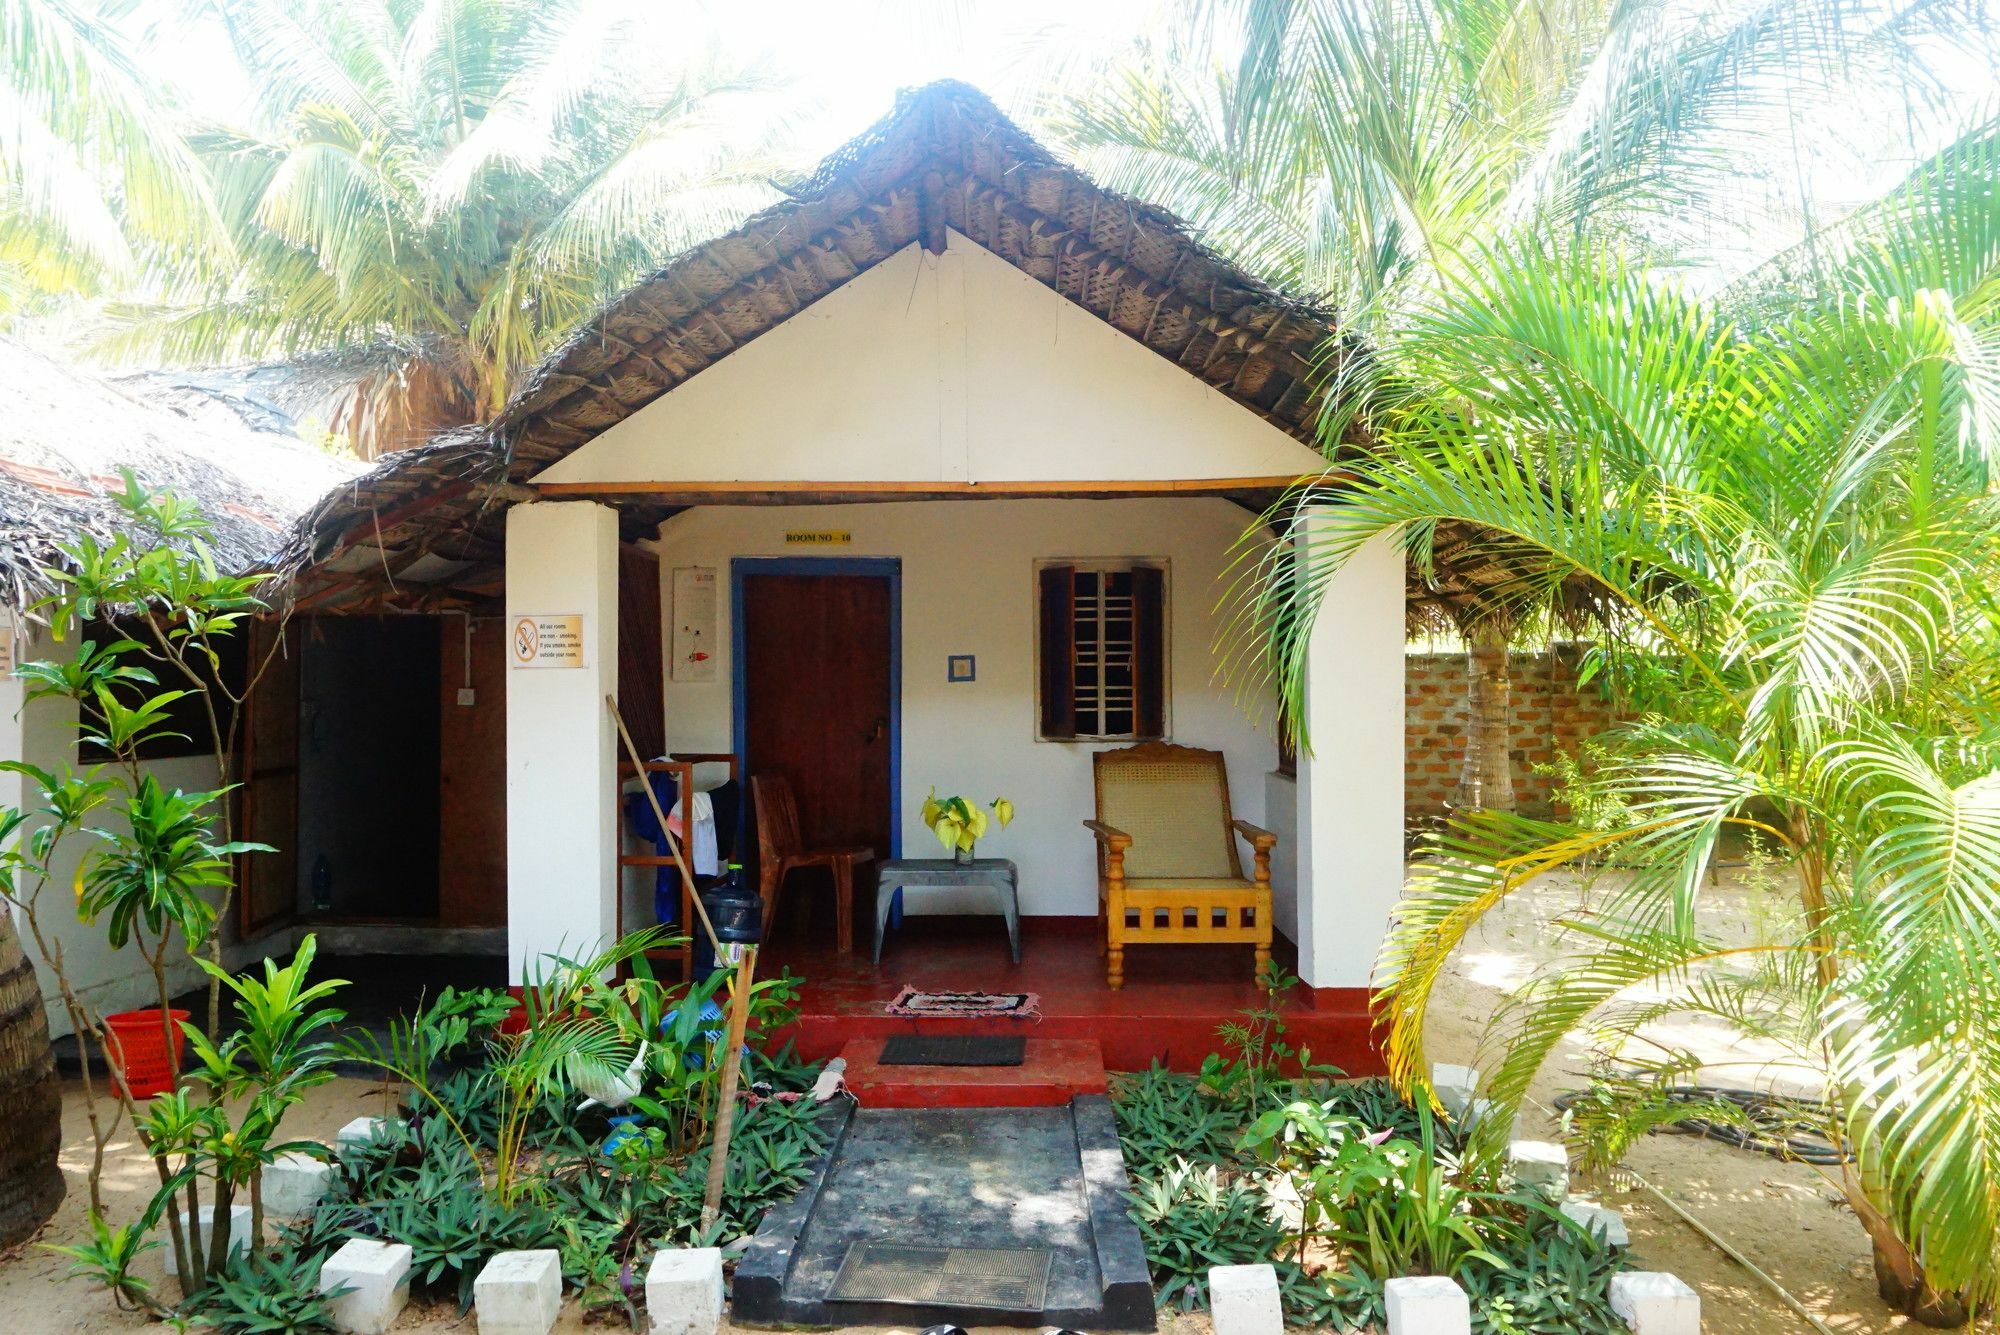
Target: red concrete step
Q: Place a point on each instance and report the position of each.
(1053, 1071)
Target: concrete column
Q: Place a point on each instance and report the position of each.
(562, 857)
(1351, 782)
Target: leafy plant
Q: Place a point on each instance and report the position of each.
(1164, 1117)
(1192, 1217)
(1393, 1207)
(259, 1294)
(452, 1228)
(1787, 502)
(1552, 1279)
(108, 1258)
(959, 824)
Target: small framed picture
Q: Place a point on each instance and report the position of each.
(960, 667)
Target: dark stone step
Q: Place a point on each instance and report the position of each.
(987, 1178)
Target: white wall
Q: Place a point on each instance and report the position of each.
(946, 368)
(1281, 817)
(968, 588)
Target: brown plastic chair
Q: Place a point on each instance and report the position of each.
(1167, 867)
(780, 851)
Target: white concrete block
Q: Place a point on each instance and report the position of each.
(1456, 1087)
(519, 1293)
(294, 1183)
(1655, 1303)
(361, 1131)
(1539, 1165)
(684, 1291)
(1243, 1300)
(1427, 1305)
(1607, 1225)
(377, 1278)
(239, 1228)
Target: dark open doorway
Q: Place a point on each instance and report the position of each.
(368, 768)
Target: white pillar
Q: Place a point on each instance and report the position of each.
(562, 863)
(1351, 781)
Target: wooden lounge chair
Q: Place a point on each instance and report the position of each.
(781, 851)
(1167, 865)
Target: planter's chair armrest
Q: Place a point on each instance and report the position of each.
(1115, 840)
(1262, 841)
(1258, 838)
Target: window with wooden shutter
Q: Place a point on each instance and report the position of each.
(1102, 673)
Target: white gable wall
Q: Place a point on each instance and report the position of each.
(969, 588)
(940, 368)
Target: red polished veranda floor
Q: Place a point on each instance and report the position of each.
(1174, 998)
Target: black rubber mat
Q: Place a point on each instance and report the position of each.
(1009, 1280)
(954, 1050)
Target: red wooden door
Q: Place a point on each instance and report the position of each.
(816, 651)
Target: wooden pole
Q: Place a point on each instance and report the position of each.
(732, 1073)
(739, 995)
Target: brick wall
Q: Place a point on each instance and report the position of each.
(1549, 716)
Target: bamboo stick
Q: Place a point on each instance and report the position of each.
(732, 1073)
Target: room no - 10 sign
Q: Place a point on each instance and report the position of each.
(547, 641)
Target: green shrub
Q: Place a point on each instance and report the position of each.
(266, 1295)
(1382, 1192)
(1191, 1217)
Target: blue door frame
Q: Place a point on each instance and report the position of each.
(878, 567)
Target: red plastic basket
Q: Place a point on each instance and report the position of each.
(137, 1045)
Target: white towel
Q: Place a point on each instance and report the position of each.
(702, 852)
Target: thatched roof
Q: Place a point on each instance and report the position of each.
(945, 157)
(424, 527)
(64, 436)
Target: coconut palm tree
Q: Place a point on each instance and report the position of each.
(1791, 520)
(433, 194)
(1353, 147)
(91, 161)
(31, 1178)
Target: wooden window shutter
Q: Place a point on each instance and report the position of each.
(1057, 598)
(1149, 652)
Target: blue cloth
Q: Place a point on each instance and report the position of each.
(642, 824)
(710, 1013)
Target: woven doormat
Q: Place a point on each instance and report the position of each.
(996, 1279)
(954, 1050)
(966, 1005)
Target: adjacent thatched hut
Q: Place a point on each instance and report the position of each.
(65, 436)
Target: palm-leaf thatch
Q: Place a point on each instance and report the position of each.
(64, 437)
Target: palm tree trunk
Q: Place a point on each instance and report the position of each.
(1486, 779)
(31, 1180)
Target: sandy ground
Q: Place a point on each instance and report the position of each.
(1785, 1217)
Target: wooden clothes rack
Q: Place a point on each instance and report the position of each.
(681, 766)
